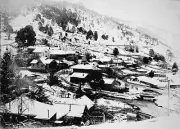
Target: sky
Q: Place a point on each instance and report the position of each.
(160, 17)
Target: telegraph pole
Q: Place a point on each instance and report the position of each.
(168, 97)
(0, 43)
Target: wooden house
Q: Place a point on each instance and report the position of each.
(81, 68)
(42, 64)
(60, 54)
(79, 77)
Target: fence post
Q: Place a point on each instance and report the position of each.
(104, 119)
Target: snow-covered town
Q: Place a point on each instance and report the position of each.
(64, 65)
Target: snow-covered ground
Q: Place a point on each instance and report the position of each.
(98, 48)
(112, 103)
(170, 122)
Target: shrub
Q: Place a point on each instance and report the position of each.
(105, 37)
(20, 60)
(162, 58)
(113, 40)
(137, 49)
(26, 36)
(50, 31)
(42, 20)
(175, 67)
(115, 52)
(150, 59)
(151, 74)
(47, 30)
(88, 56)
(40, 25)
(158, 57)
(45, 42)
(95, 36)
(38, 17)
(82, 30)
(146, 60)
(89, 35)
(151, 53)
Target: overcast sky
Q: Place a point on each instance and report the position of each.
(162, 17)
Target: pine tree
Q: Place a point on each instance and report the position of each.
(89, 35)
(115, 52)
(88, 56)
(151, 74)
(175, 67)
(95, 36)
(151, 53)
(7, 73)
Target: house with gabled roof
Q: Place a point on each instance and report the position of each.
(79, 77)
(85, 68)
(41, 64)
(60, 54)
(56, 113)
(41, 51)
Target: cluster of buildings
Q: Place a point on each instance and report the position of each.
(53, 58)
(47, 56)
(56, 113)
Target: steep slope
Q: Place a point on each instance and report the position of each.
(89, 20)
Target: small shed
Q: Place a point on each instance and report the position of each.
(88, 68)
(60, 54)
(109, 83)
(79, 77)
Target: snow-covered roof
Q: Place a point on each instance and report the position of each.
(31, 47)
(40, 49)
(105, 59)
(61, 52)
(174, 79)
(79, 75)
(30, 107)
(154, 63)
(76, 111)
(45, 60)
(95, 59)
(84, 100)
(129, 62)
(108, 80)
(153, 81)
(117, 61)
(26, 73)
(34, 61)
(102, 66)
(33, 107)
(82, 66)
(70, 63)
(141, 70)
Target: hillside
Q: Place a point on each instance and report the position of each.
(89, 20)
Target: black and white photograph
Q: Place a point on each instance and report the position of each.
(89, 64)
